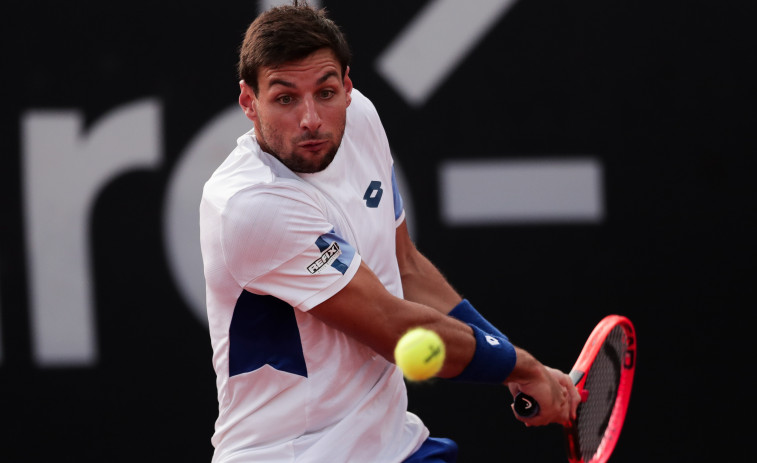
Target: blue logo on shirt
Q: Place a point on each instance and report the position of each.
(372, 196)
(335, 252)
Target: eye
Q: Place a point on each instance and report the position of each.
(326, 94)
(285, 99)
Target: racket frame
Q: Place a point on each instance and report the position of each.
(579, 374)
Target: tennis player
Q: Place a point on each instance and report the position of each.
(312, 277)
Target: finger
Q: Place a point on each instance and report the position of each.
(567, 406)
(575, 400)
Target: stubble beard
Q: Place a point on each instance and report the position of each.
(273, 144)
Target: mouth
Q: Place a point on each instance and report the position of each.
(313, 145)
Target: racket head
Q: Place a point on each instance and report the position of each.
(603, 374)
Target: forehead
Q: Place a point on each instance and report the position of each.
(311, 69)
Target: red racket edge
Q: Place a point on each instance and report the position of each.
(620, 408)
(597, 338)
(526, 406)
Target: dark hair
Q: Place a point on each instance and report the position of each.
(289, 33)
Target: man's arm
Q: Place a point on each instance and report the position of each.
(366, 311)
(422, 282)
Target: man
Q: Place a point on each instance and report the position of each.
(312, 277)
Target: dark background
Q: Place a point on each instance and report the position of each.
(658, 91)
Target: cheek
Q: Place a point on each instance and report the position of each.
(263, 119)
(342, 120)
(272, 130)
(277, 118)
(336, 117)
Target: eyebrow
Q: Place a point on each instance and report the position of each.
(288, 84)
(327, 76)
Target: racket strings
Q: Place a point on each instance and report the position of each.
(602, 383)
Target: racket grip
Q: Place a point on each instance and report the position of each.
(525, 405)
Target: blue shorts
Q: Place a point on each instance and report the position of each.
(435, 450)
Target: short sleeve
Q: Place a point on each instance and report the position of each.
(277, 241)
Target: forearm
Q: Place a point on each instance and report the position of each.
(383, 318)
(457, 337)
(527, 368)
(423, 283)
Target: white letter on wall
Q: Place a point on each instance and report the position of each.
(64, 169)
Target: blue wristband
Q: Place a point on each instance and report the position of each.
(465, 312)
(493, 360)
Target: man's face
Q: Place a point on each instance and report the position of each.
(300, 110)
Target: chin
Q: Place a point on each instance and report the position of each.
(318, 166)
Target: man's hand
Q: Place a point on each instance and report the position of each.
(554, 391)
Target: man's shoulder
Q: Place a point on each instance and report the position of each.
(245, 175)
(362, 105)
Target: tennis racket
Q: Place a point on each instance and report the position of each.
(603, 375)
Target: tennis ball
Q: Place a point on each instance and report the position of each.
(419, 354)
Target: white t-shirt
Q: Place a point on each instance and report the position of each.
(276, 244)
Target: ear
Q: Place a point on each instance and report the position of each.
(247, 100)
(348, 85)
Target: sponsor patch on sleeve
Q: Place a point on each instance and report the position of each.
(335, 252)
(329, 255)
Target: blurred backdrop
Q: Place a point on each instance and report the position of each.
(559, 161)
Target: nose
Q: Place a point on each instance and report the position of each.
(310, 119)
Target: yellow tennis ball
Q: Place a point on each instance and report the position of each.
(419, 354)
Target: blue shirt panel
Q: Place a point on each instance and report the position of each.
(264, 331)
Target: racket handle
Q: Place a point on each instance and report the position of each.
(525, 405)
